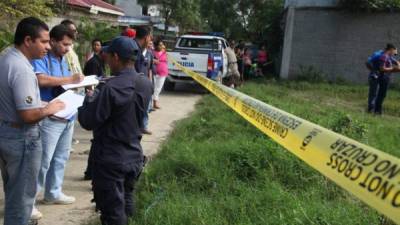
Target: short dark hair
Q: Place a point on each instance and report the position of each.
(96, 40)
(67, 22)
(58, 32)
(142, 32)
(124, 61)
(29, 26)
(390, 46)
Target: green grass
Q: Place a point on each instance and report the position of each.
(217, 169)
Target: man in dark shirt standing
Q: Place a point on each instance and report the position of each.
(143, 37)
(114, 111)
(95, 65)
(379, 78)
(143, 65)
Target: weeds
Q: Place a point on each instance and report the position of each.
(344, 124)
(218, 169)
(311, 74)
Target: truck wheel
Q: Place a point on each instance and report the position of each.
(169, 86)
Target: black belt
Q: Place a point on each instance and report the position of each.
(232, 63)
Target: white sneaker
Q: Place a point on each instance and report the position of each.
(62, 200)
(36, 214)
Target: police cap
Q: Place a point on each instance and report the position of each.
(124, 47)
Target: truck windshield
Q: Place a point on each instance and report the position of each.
(199, 43)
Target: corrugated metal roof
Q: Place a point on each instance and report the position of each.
(134, 20)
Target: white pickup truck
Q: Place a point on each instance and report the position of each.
(202, 53)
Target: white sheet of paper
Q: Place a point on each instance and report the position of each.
(72, 102)
(87, 81)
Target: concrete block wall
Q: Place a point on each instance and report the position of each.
(336, 42)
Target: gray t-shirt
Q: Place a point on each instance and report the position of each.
(19, 89)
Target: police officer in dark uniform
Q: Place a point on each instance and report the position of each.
(143, 37)
(114, 111)
(143, 64)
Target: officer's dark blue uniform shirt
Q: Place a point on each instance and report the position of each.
(115, 114)
(140, 64)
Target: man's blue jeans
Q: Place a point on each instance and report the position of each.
(373, 91)
(56, 142)
(146, 115)
(20, 157)
(378, 86)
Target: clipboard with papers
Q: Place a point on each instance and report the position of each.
(72, 102)
(87, 81)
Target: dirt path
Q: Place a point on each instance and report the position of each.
(175, 106)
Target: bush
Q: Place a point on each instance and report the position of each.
(311, 74)
(6, 39)
(14, 10)
(89, 30)
(344, 124)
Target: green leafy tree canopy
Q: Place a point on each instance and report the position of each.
(185, 13)
(20, 8)
(13, 10)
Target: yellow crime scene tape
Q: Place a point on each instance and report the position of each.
(371, 175)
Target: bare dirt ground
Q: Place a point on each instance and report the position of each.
(175, 106)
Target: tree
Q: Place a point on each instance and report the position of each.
(13, 10)
(185, 13)
(255, 20)
(264, 23)
(89, 30)
(222, 17)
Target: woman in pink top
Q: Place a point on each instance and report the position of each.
(161, 61)
(262, 55)
(262, 60)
